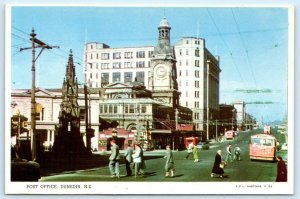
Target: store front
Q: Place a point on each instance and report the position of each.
(123, 138)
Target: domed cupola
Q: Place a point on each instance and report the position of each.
(164, 46)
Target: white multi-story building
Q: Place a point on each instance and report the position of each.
(240, 108)
(196, 68)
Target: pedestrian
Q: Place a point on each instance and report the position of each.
(281, 170)
(189, 150)
(114, 164)
(169, 166)
(128, 159)
(137, 159)
(143, 165)
(218, 165)
(237, 153)
(195, 153)
(229, 153)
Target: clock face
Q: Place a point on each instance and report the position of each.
(161, 71)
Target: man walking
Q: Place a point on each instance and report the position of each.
(229, 153)
(114, 164)
(189, 150)
(128, 159)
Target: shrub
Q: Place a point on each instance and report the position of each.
(279, 147)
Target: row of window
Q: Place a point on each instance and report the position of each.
(129, 55)
(197, 94)
(138, 64)
(116, 77)
(124, 108)
(180, 73)
(118, 55)
(197, 63)
(187, 52)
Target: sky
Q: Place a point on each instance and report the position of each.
(252, 44)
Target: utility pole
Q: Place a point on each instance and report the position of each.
(86, 115)
(88, 127)
(43, 46)
(176, 127)
(138, 122)
(207, 100)
(19, 129)
(216, 130)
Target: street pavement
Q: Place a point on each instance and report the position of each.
(186, 170)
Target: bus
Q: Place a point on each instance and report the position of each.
(229, 135)
(262, 147)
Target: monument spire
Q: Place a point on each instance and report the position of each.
(69, 139)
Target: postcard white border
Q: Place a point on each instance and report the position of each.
(153, 187)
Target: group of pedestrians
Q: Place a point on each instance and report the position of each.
(233, 154)
(219, 163)
(136, 156)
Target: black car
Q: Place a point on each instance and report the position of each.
(24, 170)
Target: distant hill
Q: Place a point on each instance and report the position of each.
(275, 123)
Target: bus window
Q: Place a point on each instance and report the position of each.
(256, 141)
(268, 142)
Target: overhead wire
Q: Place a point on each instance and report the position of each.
(18, 29)
(225, 43)
(28, 41)
(245, 47)
(19, 37)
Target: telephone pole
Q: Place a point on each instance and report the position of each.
(35, 43)
(216, 130)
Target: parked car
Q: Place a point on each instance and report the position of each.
(203, 145)
(24, 170)
(284, 146)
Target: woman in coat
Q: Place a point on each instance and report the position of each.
(169, 166)
(217, 168)
(137, 159)
(281, 170)
(195, 153)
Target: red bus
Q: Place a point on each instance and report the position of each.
(262, 147)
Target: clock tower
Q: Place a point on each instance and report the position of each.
(163, 81)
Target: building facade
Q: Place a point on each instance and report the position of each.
(137, 116)
(240, 107)
(195, 70)
(48, 108)
(227, 118)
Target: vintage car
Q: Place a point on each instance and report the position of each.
(24, 170)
